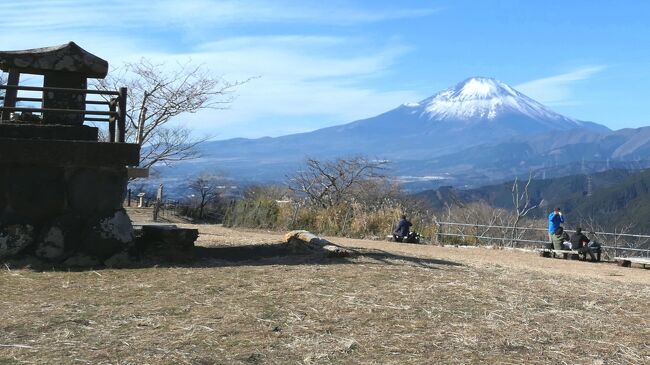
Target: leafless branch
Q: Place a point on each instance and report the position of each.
(328, 183)
(158, 94)
(206, 190)
(522, 205)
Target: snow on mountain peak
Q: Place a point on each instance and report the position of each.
(486, 99)
(482, 88)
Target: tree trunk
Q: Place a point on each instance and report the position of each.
(301, 240)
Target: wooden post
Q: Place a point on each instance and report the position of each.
(11, 94)
(158, 203)
(111, 120)
(121, 121)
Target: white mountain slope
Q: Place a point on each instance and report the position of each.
(480, 99)
(473, 111)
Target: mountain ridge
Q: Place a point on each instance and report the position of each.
(422, 144)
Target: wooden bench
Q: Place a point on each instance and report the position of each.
(644, 262)
(567, 254)
(390, 237)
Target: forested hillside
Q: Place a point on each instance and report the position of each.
(619, 198)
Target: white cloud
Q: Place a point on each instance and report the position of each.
(119, 15)
(557, 90)
(226, 12)
(299, 87)
(311, 80)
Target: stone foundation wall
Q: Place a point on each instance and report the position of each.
(63, 214)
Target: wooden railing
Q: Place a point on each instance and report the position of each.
(115, 101)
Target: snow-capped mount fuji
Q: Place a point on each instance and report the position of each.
(486, 98)
(483, 99)
(476, 111)
(459, 131)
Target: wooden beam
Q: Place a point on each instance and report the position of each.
(11, 94)
(67, 153)
(121, 119)
(628, 261)
(136, 172)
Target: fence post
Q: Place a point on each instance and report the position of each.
(121, 121)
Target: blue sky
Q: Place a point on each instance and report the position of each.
(323, 63)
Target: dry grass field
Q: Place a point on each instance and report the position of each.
(249, 302)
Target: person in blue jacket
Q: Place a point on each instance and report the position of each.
(402, 229)
(555, 219)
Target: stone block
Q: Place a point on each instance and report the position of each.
(67, 153)
(108, 235)
(58, 99)
(167, 243)
(96, 191)
(60, 238)
(58, 132)
(3, 189)
(81, 260)
(180, 238)
(66, 58)
(35, 193)
(120, 260)
(15, 238)
(52, 245)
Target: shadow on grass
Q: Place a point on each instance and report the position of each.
(394, 259)
(246, 255)
(281, 254)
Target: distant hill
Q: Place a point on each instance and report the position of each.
(619, 198)
(626, 204)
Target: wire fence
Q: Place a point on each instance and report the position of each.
(613, 244)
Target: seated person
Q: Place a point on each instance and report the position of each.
(558, 238)
(402, 229)
(580, 243)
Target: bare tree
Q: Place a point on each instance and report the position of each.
(157, 94)
(206, 191)
(328, 183)
(522, 206)
(275, 192)
(377, 192)
(478, 221)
